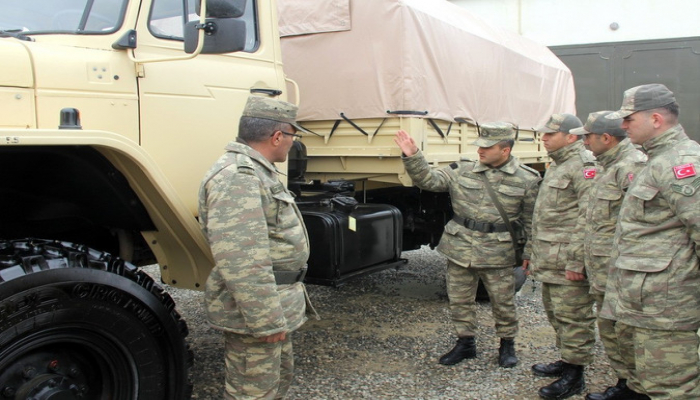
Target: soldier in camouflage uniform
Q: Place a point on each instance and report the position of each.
(557, 255)
(476, 241)
(619, 161)
(255, 293)
(653, 290)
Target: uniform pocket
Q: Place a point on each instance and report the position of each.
(559, 186)
(641, 195)
(286, 216)
(643, 283)
(293, 304)
(603, 199)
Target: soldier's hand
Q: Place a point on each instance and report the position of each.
(526, 264)
(406, 143)
(277, 337)
(574, 276)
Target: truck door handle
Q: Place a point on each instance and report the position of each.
(269, 92)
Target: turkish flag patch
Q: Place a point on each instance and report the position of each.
(684, 171)
(589, 173)
(630, 176)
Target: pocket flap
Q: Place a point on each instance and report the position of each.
(470, 183)
(643, 192)
(559, 183)
(512, 191)
(643, 264)
(609, 194)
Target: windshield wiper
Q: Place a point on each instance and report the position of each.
(15, 33)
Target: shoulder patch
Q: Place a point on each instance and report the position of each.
(589, 173)
(454, 165)
(688, 189)
(684, 171)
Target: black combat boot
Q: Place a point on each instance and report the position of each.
(617, 392)
(553, 369)
(570, 383)
(465, 348)
(506, 353)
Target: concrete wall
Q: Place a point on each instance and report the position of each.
(565, 22)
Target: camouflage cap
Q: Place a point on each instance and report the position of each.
(644, 97)
(599, 124)
(561, 123)
(272, 109)
(493, 132)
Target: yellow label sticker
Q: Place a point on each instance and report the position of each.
(352, 224)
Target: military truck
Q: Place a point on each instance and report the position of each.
(112, 110)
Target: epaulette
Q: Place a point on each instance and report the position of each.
(587, 157)
(245, 164)
(531, 170)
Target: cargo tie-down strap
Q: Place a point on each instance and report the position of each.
(484, 227)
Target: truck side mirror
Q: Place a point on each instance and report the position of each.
(223, 8)
(222, 35)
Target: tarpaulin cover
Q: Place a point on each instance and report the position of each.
(366, 57)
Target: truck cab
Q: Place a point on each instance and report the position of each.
(112, 110)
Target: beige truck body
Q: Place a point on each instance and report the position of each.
(430, 68)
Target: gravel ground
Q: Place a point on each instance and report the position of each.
(379, 337)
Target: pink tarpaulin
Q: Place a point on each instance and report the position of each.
(366, 57)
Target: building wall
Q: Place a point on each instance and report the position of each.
(565, 22)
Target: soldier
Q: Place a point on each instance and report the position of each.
(477, 242)
(255, 293)
(557, 255)
(653, 290)
(619, 161)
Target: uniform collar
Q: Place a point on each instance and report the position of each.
(509, 167)
(615, 153)
(566, 152)
(665, 140)
(239, 146)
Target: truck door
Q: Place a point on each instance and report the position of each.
(190, 108)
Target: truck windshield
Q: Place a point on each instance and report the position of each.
(61, 16)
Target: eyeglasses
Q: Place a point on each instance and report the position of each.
(295, 136)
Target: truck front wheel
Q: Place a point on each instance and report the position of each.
(76, 323)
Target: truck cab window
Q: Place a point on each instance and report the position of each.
(169, 16)
(65, 16)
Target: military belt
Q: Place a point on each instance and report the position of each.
(485, 227)
(289, 277)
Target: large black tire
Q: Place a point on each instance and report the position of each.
(76, 323)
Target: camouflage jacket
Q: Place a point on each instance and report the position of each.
(616, 169)
(516, 186)
(655, 279)
(254, 228)
(560, 215)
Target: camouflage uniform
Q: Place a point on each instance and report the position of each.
(474, 254)
(255, 231)
(557, 232)
(655, 272)
(617, 167)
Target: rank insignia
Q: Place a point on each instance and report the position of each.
(684, 171)
(688, 189)
(589, 173)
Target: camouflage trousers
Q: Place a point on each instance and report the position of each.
(256, 369)
(621, 358)
(667, 364)
(462, 284)
(570, 311)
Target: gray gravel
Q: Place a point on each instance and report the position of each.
(380, 336)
